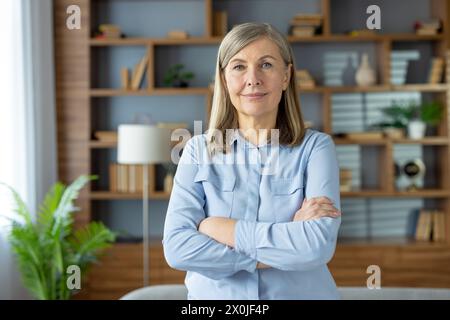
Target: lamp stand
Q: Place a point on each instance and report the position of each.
(145, 226)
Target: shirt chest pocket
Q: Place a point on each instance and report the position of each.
(219, 192)
(287, 197)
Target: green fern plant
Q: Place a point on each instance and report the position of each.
(47, 246)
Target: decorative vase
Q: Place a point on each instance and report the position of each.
(168, 183)
(416, 129)
(365, 75)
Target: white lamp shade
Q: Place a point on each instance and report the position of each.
(143, 144)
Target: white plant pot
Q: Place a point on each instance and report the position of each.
(416, 129)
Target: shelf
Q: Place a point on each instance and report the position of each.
(143, 92)
(438, 141)
(107, 195)
(431, 141)
(388, 242)
(154, 41)
(366, 38)
(291, 39)
(441, 87)
(425, 193)
(111, 92)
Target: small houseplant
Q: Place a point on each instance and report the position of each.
(421, 116)
(413, 117)
(175, 77)
(396, 124)
(47, 246)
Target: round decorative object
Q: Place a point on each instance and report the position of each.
(414, 170)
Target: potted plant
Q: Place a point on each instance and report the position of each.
(47, 247)
(176, 78)
(428, 113)
(431, 113)
(397, 121)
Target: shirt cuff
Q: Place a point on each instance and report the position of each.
(244, 238)
(244, 262)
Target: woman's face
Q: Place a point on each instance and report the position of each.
(255, 78)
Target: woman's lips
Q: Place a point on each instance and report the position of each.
(256, 96)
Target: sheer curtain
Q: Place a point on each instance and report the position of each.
(27, 118)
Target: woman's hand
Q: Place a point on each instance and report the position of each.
(316, 208)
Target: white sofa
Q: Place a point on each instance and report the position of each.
(179, 292)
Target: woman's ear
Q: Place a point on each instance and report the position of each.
(287, 77)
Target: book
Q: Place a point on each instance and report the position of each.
(304, 78)
(436, 70)
(438, 226)
(424, 226)
(177, 34)
(125, 78)
(303, 31)
(139, 73)
(220, 23)
(112, 177)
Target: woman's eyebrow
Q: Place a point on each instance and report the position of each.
(263, 57)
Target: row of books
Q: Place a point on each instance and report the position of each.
(430, 27)
(305, 25)
(134, 82)
(126, 178)
(436, 70)
(304, 79)
(345, 180)
(430, 226)
(108, 31)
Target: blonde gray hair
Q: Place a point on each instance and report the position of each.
(223, 114)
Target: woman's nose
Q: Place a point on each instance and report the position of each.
(253, 78)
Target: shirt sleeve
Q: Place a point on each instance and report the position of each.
(299, 245)
(185, 248)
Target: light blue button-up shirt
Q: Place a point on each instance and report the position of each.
(264, 204)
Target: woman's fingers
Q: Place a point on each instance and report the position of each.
(317, 211)
(316, 200)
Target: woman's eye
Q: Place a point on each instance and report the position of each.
(266, 65)
(238, 67)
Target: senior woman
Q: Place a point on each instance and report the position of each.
(249, 219)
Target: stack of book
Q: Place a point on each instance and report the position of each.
(436, 70)
(126, 178)
(109, 31)
(106, 136)
(304, 79)
(431, 27)
(345, 179)
(430, 226)
(305, 25)
(177, 34)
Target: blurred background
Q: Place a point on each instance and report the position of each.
(373, 74)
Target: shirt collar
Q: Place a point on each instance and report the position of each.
(237, 138)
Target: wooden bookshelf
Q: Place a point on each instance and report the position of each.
(405, 262)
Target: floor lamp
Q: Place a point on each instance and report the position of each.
(140, 144)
